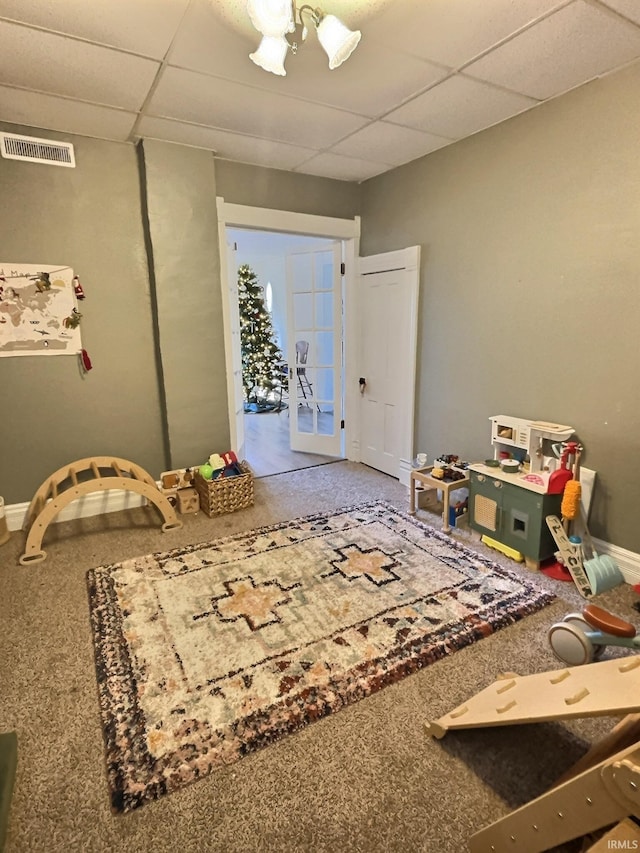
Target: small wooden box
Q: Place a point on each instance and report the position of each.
(188, 500)
(225, 494)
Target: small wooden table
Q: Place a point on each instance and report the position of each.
(421, 478)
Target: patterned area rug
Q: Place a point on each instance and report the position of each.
(206, 652)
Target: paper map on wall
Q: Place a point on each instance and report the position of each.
(35, 302)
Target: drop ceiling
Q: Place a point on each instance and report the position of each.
(426, 74)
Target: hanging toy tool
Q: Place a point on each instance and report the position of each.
(570, 460)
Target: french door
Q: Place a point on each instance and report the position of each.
(314, 350)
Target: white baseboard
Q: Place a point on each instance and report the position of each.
(95, 503)
(627, 561)
(404, 472)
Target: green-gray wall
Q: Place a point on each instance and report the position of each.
(530, 235)
(88, 218)
(180, 203)
(139, 226)
(278, 190)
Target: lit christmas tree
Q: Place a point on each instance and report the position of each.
(261, 356)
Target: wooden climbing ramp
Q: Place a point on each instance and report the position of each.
(601, 789)
(603, 689)
(73, 481)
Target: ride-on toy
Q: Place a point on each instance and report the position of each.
(583, 637)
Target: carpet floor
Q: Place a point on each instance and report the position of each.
(365, 779)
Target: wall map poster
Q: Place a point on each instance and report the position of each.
(37, 310)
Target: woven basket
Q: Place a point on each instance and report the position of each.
(226, 494)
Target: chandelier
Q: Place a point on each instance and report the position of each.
(275, 18)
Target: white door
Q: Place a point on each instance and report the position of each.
(236, 349)
(314, 350)
(388, 301)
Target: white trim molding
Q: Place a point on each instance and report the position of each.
(286, 221)
(627, 561)
(95, 503)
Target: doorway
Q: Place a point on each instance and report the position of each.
(297, 420)
(356, 395)
(287, 222)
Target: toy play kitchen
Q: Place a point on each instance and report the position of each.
(511, 495)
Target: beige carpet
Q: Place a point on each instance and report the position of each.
(365, 779)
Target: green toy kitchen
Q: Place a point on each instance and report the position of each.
(511, 495)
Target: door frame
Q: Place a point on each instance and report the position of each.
(289, 222)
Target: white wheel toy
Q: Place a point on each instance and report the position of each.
(569, 644)
(579, 621)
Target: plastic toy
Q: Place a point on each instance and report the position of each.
(221, 465)
(583, 637)
(216, 461)
(206, 471)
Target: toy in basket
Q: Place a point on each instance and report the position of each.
(224, 484)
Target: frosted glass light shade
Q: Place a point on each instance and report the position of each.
(271, 17)
(271, 54)
(338, 41)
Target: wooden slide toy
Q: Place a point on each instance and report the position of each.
(94, 474)
(602, 788)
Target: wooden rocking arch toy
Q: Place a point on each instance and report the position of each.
(94, 474)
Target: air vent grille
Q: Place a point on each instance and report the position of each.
(15, 147)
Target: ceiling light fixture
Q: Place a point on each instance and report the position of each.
(275, 18)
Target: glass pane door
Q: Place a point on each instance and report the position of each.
(314, 288)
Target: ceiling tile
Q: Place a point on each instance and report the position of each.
(204, 43)
(34, 59)
(629, 8)
(135, 25)
(231, 146)
(349, 86)
(233, 106)
(565, 50)
(452, 32)
(389, 143)
(47, 111)
(341, 168)
(459, 107)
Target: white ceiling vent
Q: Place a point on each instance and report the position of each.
(16, 147)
